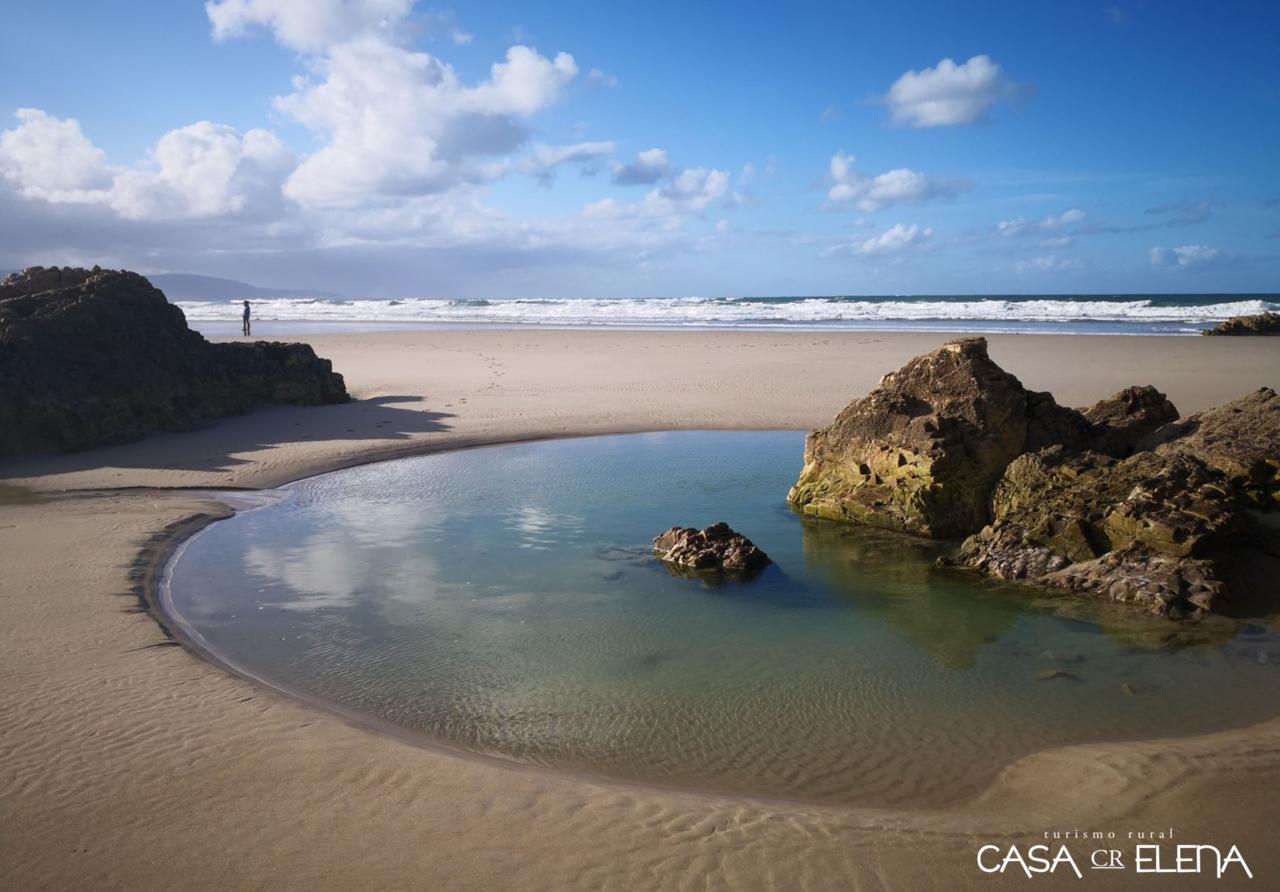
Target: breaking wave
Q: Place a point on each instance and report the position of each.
(1138, 313)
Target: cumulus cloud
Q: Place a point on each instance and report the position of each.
(397, 122)
(650, 166)
(949, 94)
(686, 193)
(203, 170)
(206, 170)
(897, 239)
(852, 188)
(403, 148)
(1185, 256)
(306, 25)
(1021, 226)
(45, 157)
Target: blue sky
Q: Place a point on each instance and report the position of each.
(371, 148)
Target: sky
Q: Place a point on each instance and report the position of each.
(394, 149)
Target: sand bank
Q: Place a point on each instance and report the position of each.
(128, 763)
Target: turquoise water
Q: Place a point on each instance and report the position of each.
(504, 600)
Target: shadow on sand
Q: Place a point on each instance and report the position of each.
(215, 447)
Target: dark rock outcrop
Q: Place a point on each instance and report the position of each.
(92, 357)
(1240, 438)
(1120, 500)
(715, 548)
(1178, 528)
(1259, 324)
(1120, 422)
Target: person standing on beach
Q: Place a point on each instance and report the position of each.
(246, 319)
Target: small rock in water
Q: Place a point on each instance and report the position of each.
(716, 548)
(1052, 674)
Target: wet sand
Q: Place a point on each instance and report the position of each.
(126, 762)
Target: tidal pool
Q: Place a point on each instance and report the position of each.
(505, 601)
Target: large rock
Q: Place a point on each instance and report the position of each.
(922, 452)
(715, 548)
(1259, 324)
(1178, 528)
(1121, 500)
(90, 357)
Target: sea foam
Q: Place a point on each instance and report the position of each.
(802, 312)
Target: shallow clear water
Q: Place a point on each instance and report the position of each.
(504, 600)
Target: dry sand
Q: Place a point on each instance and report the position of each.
(129, 763)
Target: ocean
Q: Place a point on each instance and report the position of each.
(1061, 314)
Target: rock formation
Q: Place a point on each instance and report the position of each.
(1260, 324)
(1120, 500)
(923, 451)
(715, 548)
(91, 357)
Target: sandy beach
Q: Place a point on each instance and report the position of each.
(129, 762)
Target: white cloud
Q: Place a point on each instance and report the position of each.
(206, 170)
(307, 25)
(851, 188)
(897, 239)
(601, 79)
(650, 166)
(45, 157)
(1184, 256)
(894, 239)
(203, 170)
(404, 147)
(588, 156)
(396, 122)
(948, 94)
(1022, 226)
(687, 193)
(1049, 263)
(445, 22)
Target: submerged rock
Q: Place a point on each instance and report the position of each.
(715, 548)
(91, 357)
(1056, 674)
(1120, 501)
(1259, 324)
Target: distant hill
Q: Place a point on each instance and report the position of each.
(187, 286)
